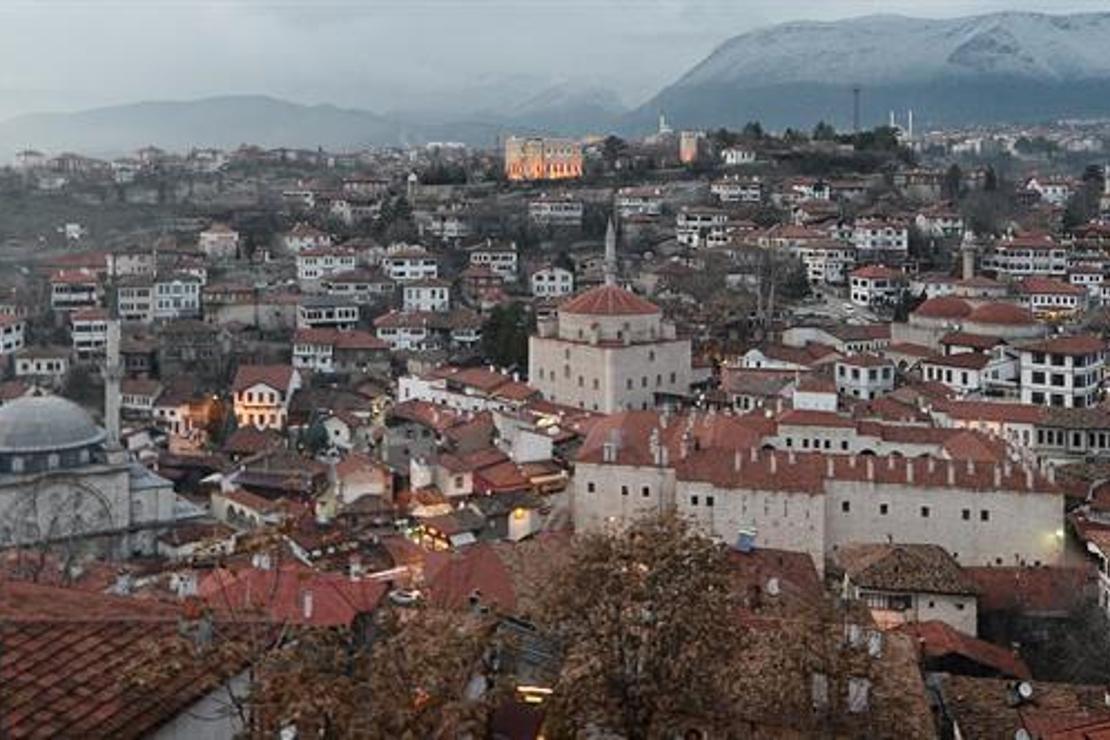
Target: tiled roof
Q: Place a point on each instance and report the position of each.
(630, 433)
(277, 377)
(68, 655)
(1084, 344)
(1033, 285)
(939, 640)
(292, 594)
(479, 571)
(864, 360)
(960, 360)
(608, 300)
(903, 567)
(944, 307)
(1003, 314)
(966, 339)
(1014, 413)
(881, 272)
(1032, 591)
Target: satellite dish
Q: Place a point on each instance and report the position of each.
(1025, 690)
(773, 586)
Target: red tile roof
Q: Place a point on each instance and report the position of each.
(1014, 413)
(1003, 314)
(631, 432)
(1032, 285)
(1044, 591)
(68, 656)
(939, 640)
(877, 272)
(1084, 344)
(608, 300)
(944, 307)
(277, 377)
(292, 594)
(480, 571)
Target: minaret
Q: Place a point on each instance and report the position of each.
(611, 254)
(112, 375)
(909, 124)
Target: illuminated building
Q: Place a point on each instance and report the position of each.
(539, 158)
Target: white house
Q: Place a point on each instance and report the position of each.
(89, 332)
(735, 156)
(702, 227)
(321, 262)
(864, 376)
(302, 237)
(1063, 371)
(326, 312)
(879, 235)
(549, 282)
(877, 285)
(11, 334)
(261, 394)
(409, 263)
(426, 295)
(177, 296)
(500, 258)
(219, 241)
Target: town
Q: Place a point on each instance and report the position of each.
(434, 406)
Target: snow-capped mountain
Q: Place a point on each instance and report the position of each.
(981, 68)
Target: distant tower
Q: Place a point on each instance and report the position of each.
(1106, 180)
(909, 124)
(664, 127)
(611, 253)
(412, 185)
(893, 122)
(855, 108)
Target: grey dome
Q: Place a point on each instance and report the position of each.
(45, 424)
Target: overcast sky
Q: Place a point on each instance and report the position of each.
(386, 54)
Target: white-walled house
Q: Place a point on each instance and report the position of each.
(261, 395)
(552, 282)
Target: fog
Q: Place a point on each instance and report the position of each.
(448, 56)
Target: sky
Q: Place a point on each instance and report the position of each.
(389, 55)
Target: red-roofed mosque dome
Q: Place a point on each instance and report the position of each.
(608, 300)
(1007, 314)
(943, 307)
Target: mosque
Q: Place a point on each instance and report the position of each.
(66, 480)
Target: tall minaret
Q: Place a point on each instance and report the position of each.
(611, 253)
(112, 375)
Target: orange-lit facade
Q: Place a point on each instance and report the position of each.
(537, 158)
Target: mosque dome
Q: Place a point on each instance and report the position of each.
(44, 424)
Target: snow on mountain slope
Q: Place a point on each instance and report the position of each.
(886, 49)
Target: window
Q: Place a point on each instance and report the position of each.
(924, 512)
(884, 509)
(645, 492)
(590, 487)
(624, 490)
(984, 515)
(693, 500)
(709, 501)
(966, 514)
(845, 506)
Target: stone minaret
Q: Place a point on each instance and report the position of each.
(112, 374)
(611, 254)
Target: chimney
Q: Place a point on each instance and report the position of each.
(967, 256)
(754, 454)
(773, 462)
(830, 467)
(738, 459)
(306, 604)
(852, 461)
(790, 456)
(890, 462)
(951, 473)
(997, 476)
(932, 464)
(909, 472)
(870, 468)
(1050, 473)
(1029, 478)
